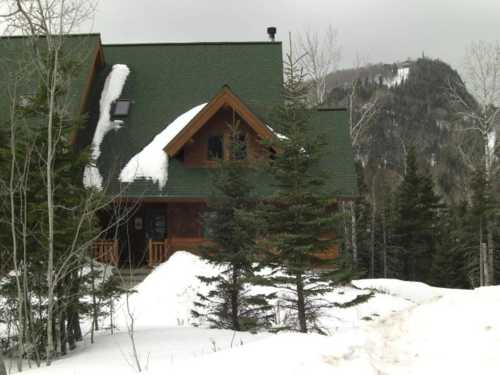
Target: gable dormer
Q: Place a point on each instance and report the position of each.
(206, 138)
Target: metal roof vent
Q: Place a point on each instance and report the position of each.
(271, 31)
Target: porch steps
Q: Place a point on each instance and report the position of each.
(128, 278)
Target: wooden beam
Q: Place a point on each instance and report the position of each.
(225, 98)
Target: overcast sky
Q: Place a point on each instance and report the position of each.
(377, 30)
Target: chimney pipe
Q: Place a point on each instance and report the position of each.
(271, 31)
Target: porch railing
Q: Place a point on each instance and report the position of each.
(158, 252)
(106, 251)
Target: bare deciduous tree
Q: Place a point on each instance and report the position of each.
(478, 143)
(321, 57)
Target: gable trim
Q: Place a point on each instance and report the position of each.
(224, 98)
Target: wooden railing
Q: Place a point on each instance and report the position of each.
(106, 251)
(158, 252)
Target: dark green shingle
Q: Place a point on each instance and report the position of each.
(17, 64)
(167, 80)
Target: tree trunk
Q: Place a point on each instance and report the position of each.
(481, 253)
(235, 321)
(3, 368)
(354, 234)
(372, 234)
(483, 256)
(490, 255)
(301, 305)
(50, 204)
(348, 243)
(63, 338)
(384, 244)
(13, 230)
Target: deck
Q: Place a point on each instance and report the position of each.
(107, 251)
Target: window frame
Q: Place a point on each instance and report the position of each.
(211, 156)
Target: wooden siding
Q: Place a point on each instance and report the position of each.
(196, 150)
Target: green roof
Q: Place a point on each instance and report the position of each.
(337, 161)
(16, 64)
(337, 164)
(167, 80)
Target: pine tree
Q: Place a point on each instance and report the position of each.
(232, 226)
(449, 261)
(417, 214)
(299, 213)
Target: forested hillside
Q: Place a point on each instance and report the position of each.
(424, 198)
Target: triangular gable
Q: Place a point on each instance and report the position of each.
(224, 98)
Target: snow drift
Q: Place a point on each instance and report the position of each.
(406, 328)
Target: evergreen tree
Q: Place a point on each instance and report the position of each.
(232, 226)
(449, 261)
(417, 214)
(299, 213)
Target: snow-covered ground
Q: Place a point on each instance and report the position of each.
(406, 328)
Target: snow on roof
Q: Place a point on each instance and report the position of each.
(279, 135)
(152, 162)
(112, 90)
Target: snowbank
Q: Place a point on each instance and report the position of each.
(413, 291)
(165, 298)
(405, 329)
(152, 162)
(112, 90)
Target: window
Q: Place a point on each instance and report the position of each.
(215, 147)
(121, 107)
(240, 148)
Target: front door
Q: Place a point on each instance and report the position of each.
(137, 248)
(156, 228)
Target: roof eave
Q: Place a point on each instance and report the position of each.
(223, 97)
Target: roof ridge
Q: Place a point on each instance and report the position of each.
(43, 36)
(187, 43)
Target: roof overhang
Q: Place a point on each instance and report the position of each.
(225, 98)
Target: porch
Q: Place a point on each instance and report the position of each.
(150, 234)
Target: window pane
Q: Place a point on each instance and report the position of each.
(215, 147)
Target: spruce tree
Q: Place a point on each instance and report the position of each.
(232, 227)
(449, 261)
(417, 214)
(299, 213)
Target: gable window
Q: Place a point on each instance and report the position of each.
(215, 147)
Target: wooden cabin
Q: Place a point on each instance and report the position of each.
(239, 82)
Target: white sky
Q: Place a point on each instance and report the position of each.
(377, 30)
